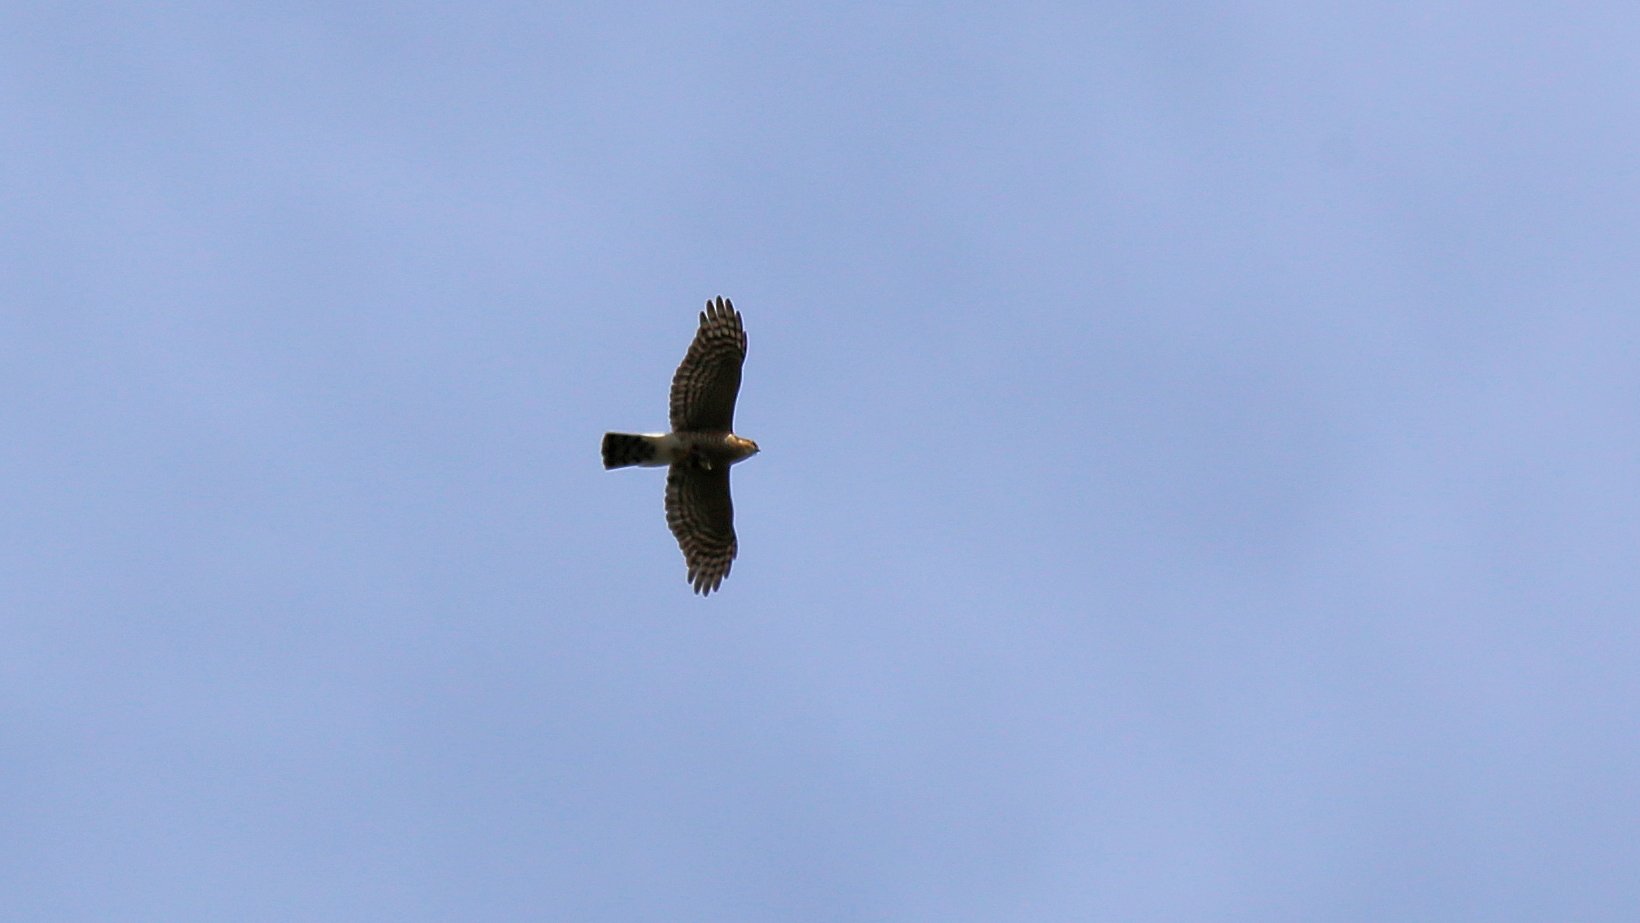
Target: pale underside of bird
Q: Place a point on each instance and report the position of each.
(700, 448)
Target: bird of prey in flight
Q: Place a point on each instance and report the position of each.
(700, 448)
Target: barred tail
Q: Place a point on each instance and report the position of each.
(623, 449)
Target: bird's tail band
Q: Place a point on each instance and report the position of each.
(624, 449)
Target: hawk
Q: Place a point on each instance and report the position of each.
(700, 448)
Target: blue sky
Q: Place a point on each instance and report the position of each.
(1198, 473)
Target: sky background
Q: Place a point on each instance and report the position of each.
(1200, 448)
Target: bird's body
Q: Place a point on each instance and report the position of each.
(658, 450)
(700, 448)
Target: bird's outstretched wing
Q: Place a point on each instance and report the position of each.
(702, 518)
(708, 379)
